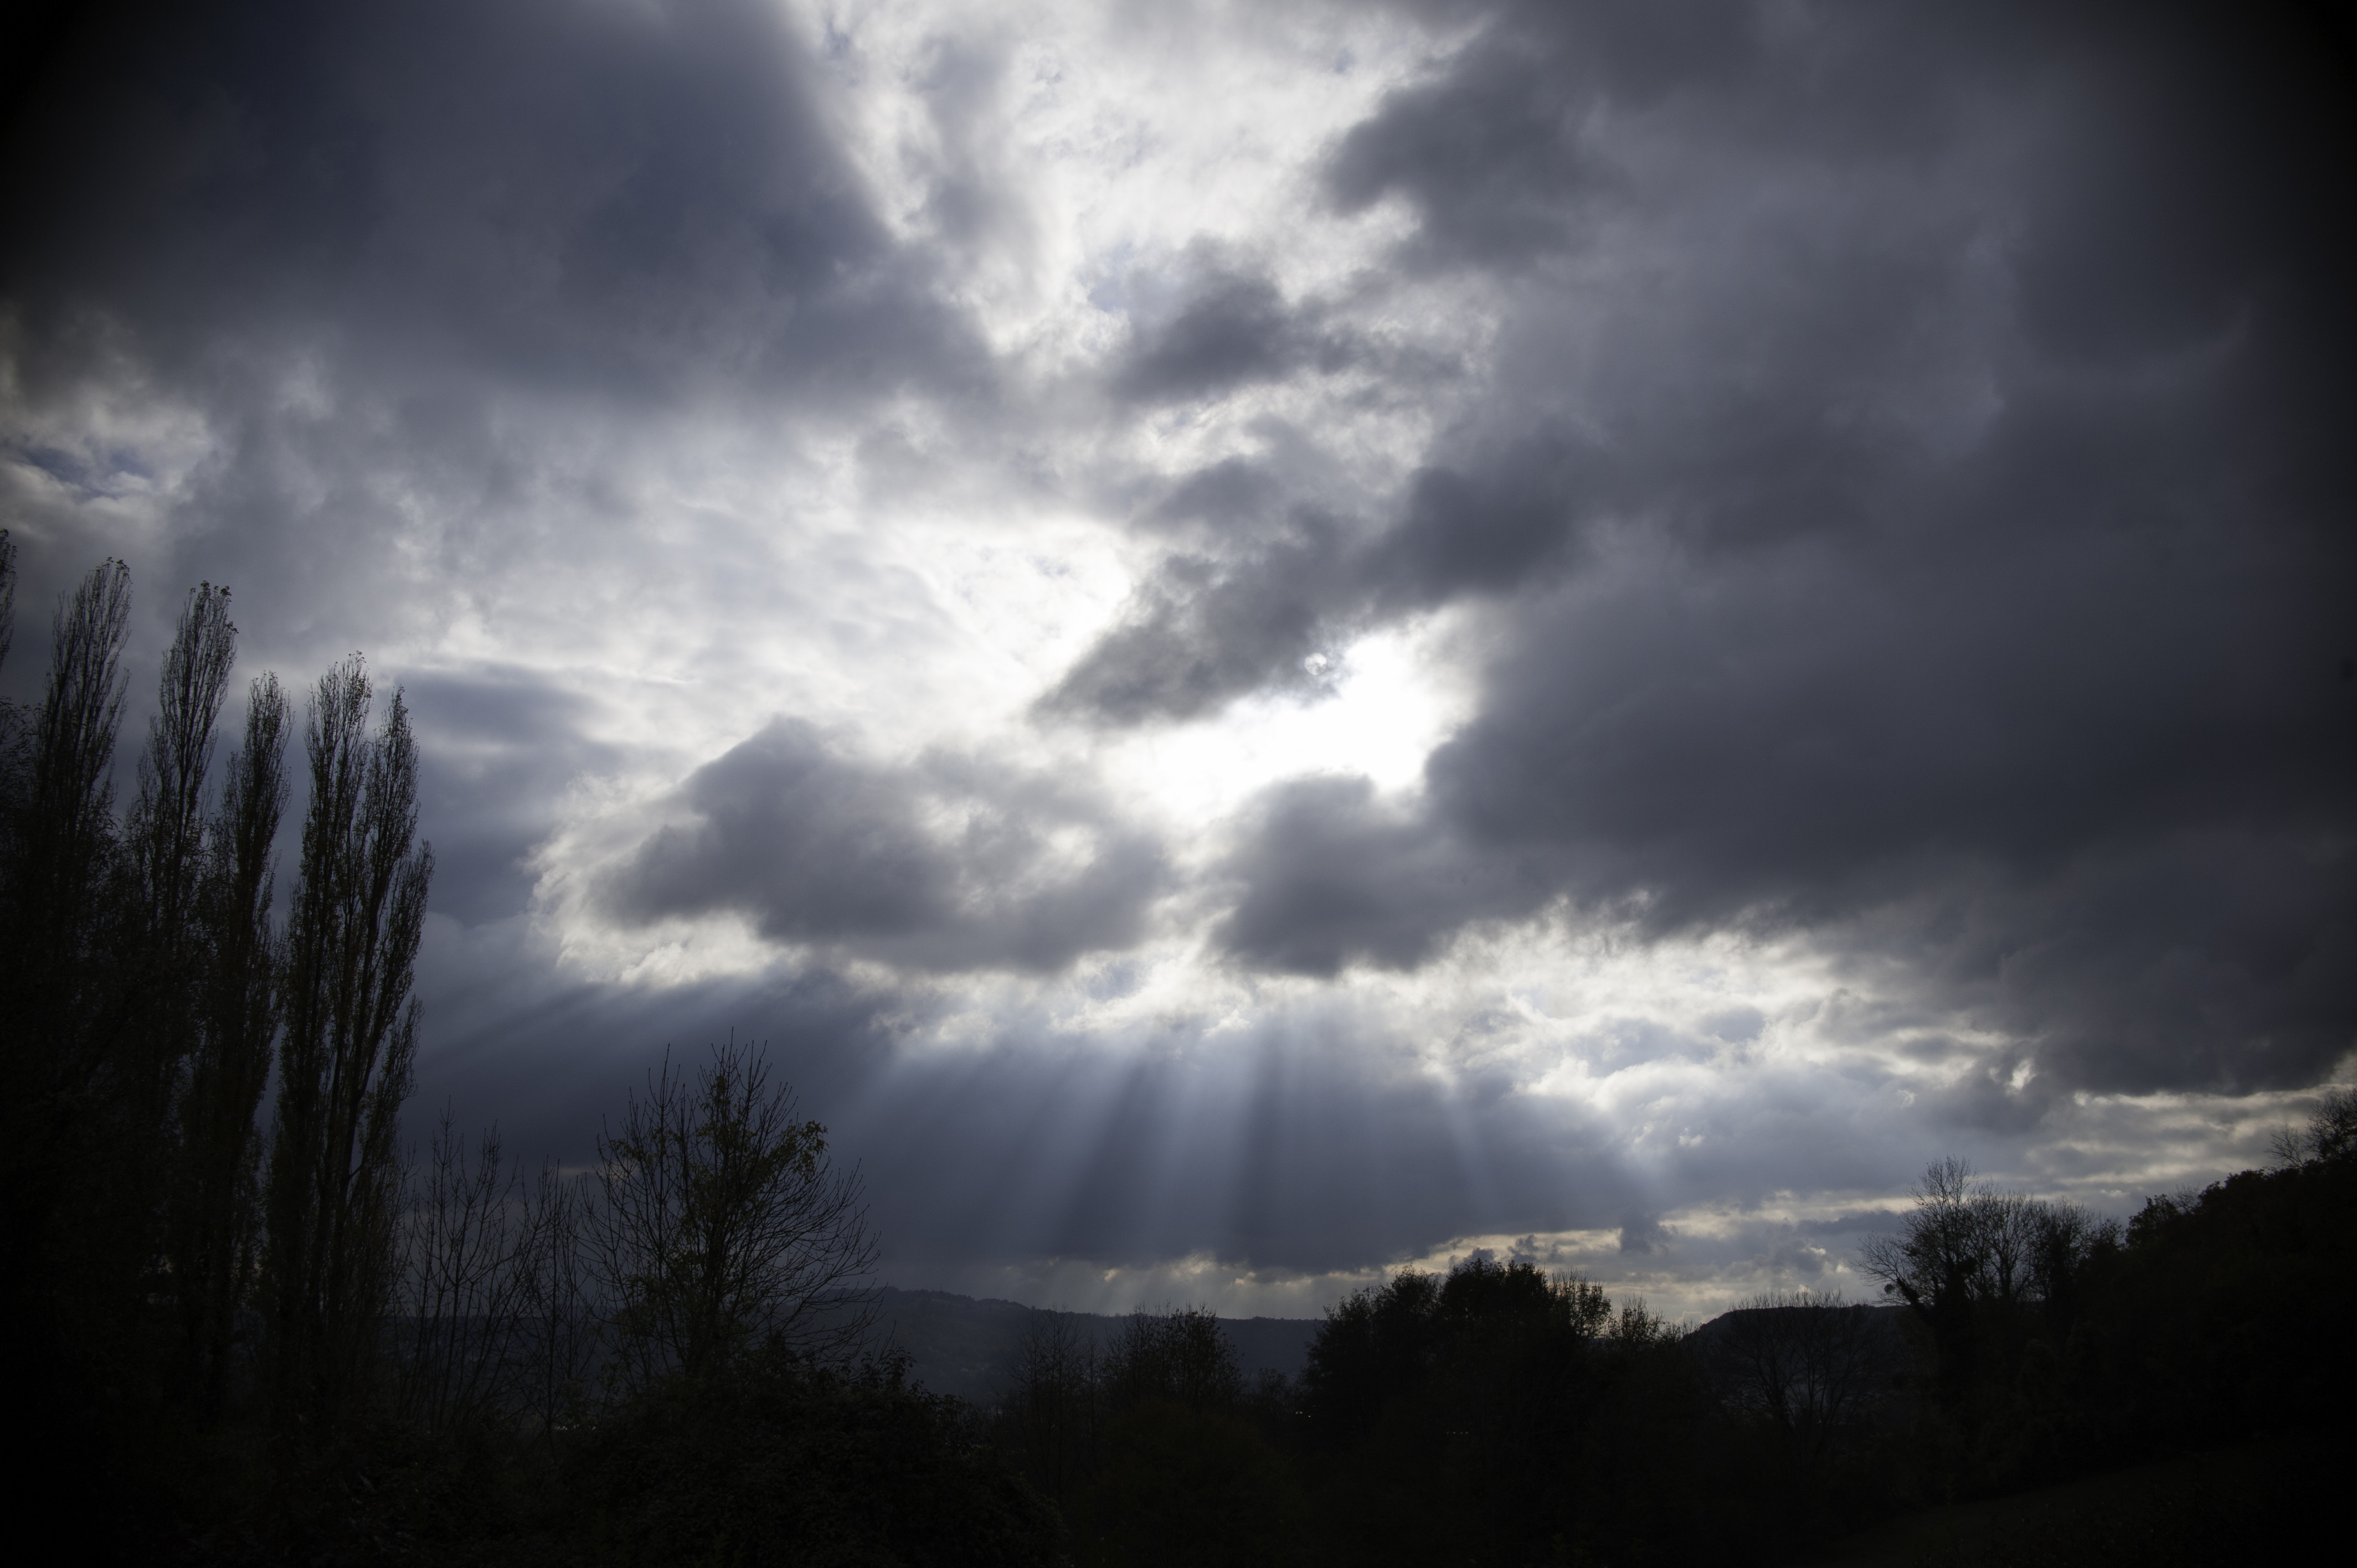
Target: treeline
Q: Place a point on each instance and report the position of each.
(1485, 1416)
(162, 1247)
(1497, 1415)
(2047, 1344)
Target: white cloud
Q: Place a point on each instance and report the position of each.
(862, 442)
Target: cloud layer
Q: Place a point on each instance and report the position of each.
(1271, 640)
(951, 865)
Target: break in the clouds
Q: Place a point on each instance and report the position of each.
(1271, 640)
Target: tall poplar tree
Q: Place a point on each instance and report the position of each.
(60, 856)
(166, 828)
(213, 1210)
(69, 1199)
(64, 837)
(344, 1063)
(157, 948)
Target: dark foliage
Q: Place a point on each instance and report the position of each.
(785, 1462)
(1500, 1415)
(2223, 1314)
(1155, 1448)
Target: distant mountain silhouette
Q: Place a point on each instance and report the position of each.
(957, 1344)
(1886, 1333)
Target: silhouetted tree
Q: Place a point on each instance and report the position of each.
(1150, 1446)
(160, 941)
(70, 1166)
(2330, 1134)
(11, 721)
(1178, 1355)
(2221, 1312)
(783, 1462)
(721, 1225)
(1375, 1348)
(167, 826)
(1807, 1367)
(215, 1220)
(557, 1358)
(344, 1066)
(1497, 1415)
(1054, 1413)
(465, 1273)
(1977, 1266)
(62, 845)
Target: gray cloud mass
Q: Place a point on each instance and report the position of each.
(1874, 480)
(816, 848)
(1769, 653)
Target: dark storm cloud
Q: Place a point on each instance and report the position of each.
(2104, 803)
(1274, 587)
(1231, 329)
(1905, 507)
(2050, 711)
(951, 865)
(424, 271)
(1331, 876)
(498, 749)
(510, 1037)
(1481, 526)
(1205, 630)
(1228, 494)
(1643, 1233)
(623, 199)
(1489, 153)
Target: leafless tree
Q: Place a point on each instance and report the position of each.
(1054, 1411)
(496, 1318)
(721, 1225)
(2330, 1134)
(1968, 1242)
(1964, 1241)
(1986, 1272)
(1806, 1364)
(557, 1357)
(465, 1277)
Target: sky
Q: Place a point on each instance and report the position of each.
(1266, 641)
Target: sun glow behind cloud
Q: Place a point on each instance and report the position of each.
(1703, 606)
(956, 590)
(1131, 133)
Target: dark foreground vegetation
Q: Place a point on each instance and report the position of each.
(2254, 1502)
(1499, 1415)
(250, 1323)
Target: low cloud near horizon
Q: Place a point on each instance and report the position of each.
(1270, 641)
